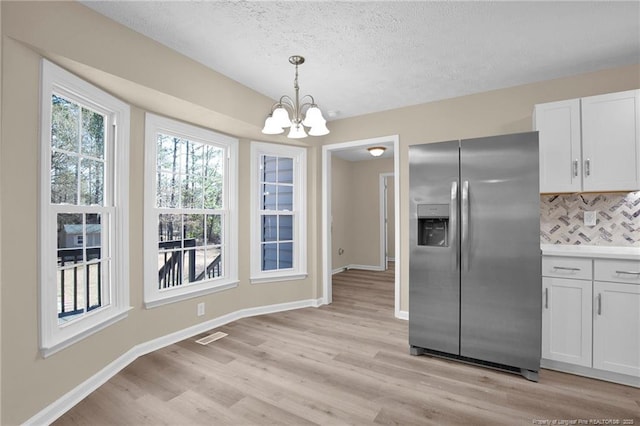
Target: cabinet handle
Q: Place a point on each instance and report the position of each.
(575, 168)
(566, 268)
(628, 272)
(546, 298)
(587, 167)
(599, 304)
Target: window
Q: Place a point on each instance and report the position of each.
(190, 211)
(278, 223)
(84, 224)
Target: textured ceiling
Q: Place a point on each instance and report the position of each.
(363, 57)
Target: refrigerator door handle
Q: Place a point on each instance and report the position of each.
(453, 229)
(464, 250)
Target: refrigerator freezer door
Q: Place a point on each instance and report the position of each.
(434, 278)
(501, 274)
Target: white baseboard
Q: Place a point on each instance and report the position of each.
(403, 315)
(366, 267)
(63, 404)
(338, 270)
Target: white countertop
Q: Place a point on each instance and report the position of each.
(604, 252)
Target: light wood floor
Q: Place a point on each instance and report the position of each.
(347, 363)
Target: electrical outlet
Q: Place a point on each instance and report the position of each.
(590, 218)
(200, 309)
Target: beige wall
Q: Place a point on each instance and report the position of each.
(355, 210)
(151, 78)
(340, 217)
(491, 113)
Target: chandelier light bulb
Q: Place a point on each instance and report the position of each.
(281, 117)
(297, 132)
(313, 117)
(271, 127)
(319, 129)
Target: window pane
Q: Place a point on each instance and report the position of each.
(285, 170)
(64, 178)
(94, 284)
(213, 161)
(214, 229)
(285, 197)
(193, 230)
(212, 192)
(64, 124)
(69, 244)
(213, 262)
(71, 288)
(268, 196)
(269, 256)
(199, 272)
(169, 150)
(193, 158)
(285, 258)
(269, 168)
(167, 194)
(285, 228)
(170, 268)
(93, 235)
(91, 182)
(269, 228)
(192, 192)
(92, 133)
(170, 229)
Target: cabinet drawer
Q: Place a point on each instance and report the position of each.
(621, 271)
(566, 267)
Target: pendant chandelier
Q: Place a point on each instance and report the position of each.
(302, 115)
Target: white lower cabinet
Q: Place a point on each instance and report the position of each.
(566, 320)
(591, 317)
(616, 328)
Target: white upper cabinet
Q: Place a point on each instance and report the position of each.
(590, 144)
(610, 135)
(560, 150)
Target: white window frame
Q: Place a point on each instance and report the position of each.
(55, 336)
(299, 156)
(153, 296)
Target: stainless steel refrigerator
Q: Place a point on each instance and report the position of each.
(475, 260)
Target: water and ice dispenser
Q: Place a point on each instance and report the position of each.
(433, 225)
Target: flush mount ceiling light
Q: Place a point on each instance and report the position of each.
(376, 151)
(279, 118)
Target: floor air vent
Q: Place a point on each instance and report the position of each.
(211, 338)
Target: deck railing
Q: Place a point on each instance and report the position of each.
(170, 274)
(69, 300)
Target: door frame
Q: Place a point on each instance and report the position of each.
(384, 215)
(327, 294)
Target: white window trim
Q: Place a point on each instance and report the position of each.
(299, 156)
(53, 336)
(153, 296)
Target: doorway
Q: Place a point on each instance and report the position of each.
(392, 144)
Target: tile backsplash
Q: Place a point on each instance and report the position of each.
(618, 219)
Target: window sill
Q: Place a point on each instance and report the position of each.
(184, 295)
(261, 279)
(61, 344)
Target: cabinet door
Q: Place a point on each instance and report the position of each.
(560, 155)
(567, 320)
(610, 142)
(616, 328)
